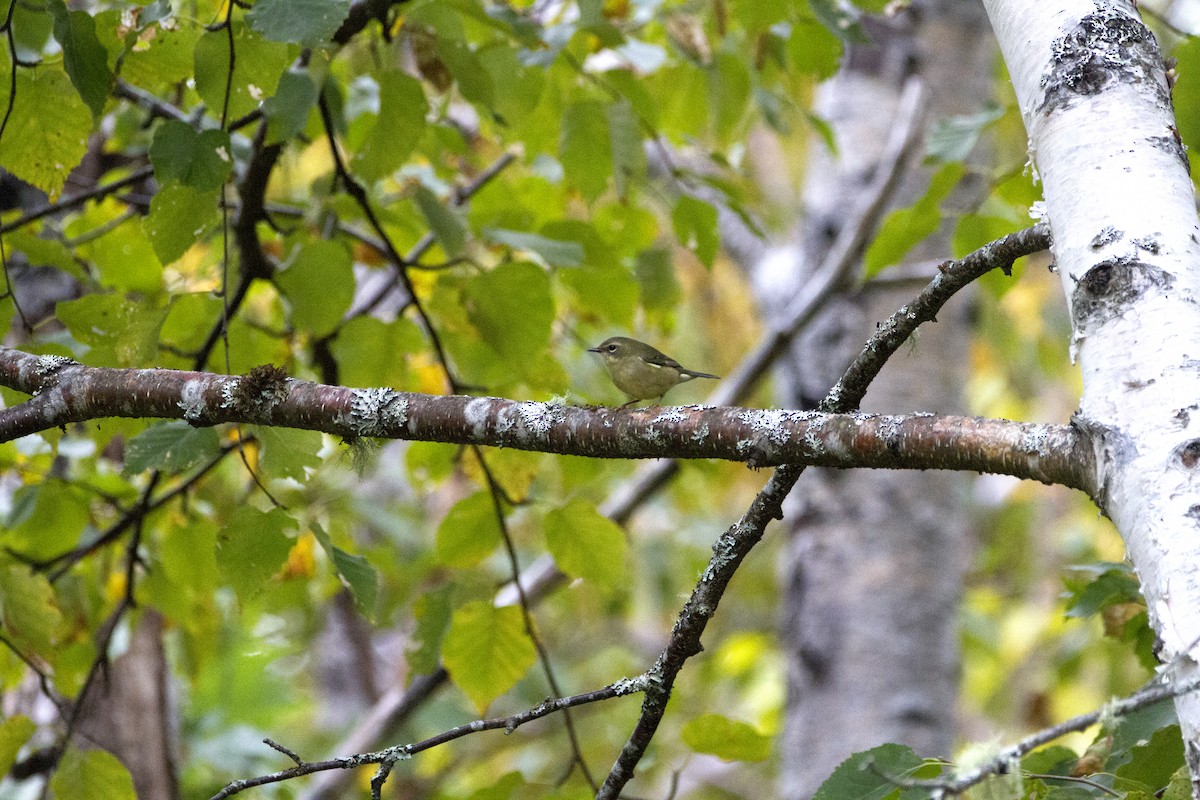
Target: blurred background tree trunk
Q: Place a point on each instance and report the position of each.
(873, 569)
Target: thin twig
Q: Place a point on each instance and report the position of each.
(65, 561)
(526, 607)
(399, 264)
(1154, 692)
(427, 241)
(402, 752)
(77, 199)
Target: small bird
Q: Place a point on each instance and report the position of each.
(640, 371)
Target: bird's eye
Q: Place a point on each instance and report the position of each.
(612, 348)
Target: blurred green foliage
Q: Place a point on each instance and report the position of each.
(584, 234)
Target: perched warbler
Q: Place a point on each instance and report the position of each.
(639, 370)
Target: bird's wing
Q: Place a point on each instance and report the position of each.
(662, 360)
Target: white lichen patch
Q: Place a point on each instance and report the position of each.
(671, 415)
(1034, 441)
(376, 412)
(539, 418)
(191, 400)
(476, 413)
(656, 436)
(890, 426)
(48, 365)
(771, 423)
(630, 685)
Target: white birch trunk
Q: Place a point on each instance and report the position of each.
(1090, 81)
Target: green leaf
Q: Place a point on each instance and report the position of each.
(170, 447)
(628, 157)
(695, 224)
(252, 547)
(729, 93)
(180, 216)
(587, 545)
(48, 129)
(371, 352)
(189, 556)
(516, 88)
(585, 149)
(726, 738)
(118, 331)
(656, 277)
(1180, 786)
(873, 775)
(189, 319)
(554, 252)
(468, 533)
(200, 159)
(973, 231)
(512, 309)
(1186, 98)
(953, 138)
(814, 50)
(92, 775)
(319, 286)
(604, 284)
(511, 785)
(430, 462)
(776, 110)
(31, 29)
(287, 452)
(28, 609)
(841, 19)
(256, 69)
(432, 613)
(123, 258)
(904, 228)
(47, 519)
(84, 58)
(397, 129)
(608, 291)
(756, 15)
(288, 109)
(41, 252)
(636, 93)
(487, 651)
(355, 572)
(1053, 760)
(14, 732)
(162, 60)
(1135, 729)
(473, 80)
(449, 229)
(306, 22)
(1153, 763)
(1113, 583)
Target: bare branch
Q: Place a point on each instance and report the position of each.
(389, 756)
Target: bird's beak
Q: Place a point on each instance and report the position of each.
(593, 349)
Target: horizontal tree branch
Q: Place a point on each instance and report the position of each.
(66, 392)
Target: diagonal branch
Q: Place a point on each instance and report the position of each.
(733, 545)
